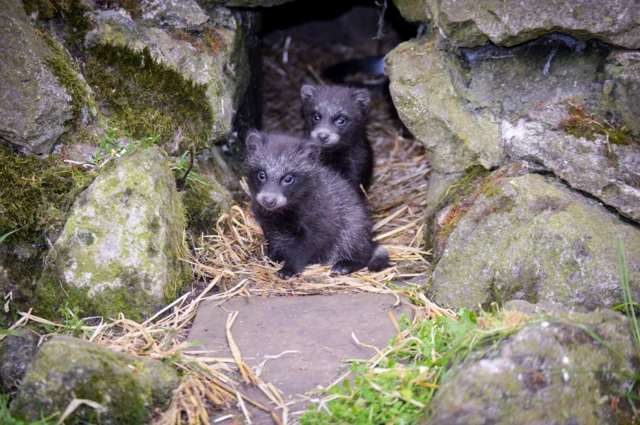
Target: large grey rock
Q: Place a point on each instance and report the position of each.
(546, 373)
(606, 169)
(35, 109)
(121, 248)
(454, 104)
(127, 388)
(427, 87)
(472, 23)
(531, 238)
(209, 58)
(622, 85)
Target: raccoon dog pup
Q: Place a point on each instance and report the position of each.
(336, 117)
(308, 213)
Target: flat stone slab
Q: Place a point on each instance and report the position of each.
(318, 328)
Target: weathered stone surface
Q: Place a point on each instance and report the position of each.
(313, 333)
(242, 3)
(542, 307)
(16, 354)
(622, 85)
(506, 82)
(540, 375)
(472, 23)
(35, 108)
(127, 387)
(608, 170)
(210, 63)
(121, 248)
(454, 104)
(414, 10)
(183, 14)
(531, 238)
(427, 87)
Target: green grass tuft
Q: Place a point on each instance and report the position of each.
(399, 389)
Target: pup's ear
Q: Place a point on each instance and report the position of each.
(362, 98)
(307, 92)
(253, 142)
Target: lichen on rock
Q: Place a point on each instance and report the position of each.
(531, 238)
(590, 156)
(621, 87)
(551, 371)
(127, 388)
(427, 87)
(121, 248)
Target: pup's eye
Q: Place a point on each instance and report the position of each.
(340, 121)
(316, 117)
(262, 176)
(287, 180)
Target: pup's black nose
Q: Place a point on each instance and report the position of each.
(269, 201)
(323, 137)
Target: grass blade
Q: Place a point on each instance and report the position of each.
(626, 292)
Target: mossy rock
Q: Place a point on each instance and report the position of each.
(507, 23)
(551, 372)
(127, 388)
(183, 85)
(121, 249)
(622, 86)
(36, 107)
(428, 90)
(531, 238)
(414, 10)
(35, 202)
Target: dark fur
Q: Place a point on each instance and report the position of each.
(316, 218)
(347, 150)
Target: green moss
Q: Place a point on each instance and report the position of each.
(134, 8)
(126, 386)
(36, 195)
(67, 74)
(581, 124)
(72, 11)
(145, 97)
(461, 195)
(129, 299)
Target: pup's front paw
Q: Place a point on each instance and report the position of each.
(343, 267)
(286, 273)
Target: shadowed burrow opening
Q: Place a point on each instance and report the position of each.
(341, 43)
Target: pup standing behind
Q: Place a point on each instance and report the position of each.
(336, 117)
(308, 213)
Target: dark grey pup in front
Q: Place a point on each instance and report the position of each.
(309, 214)
(336, 116)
